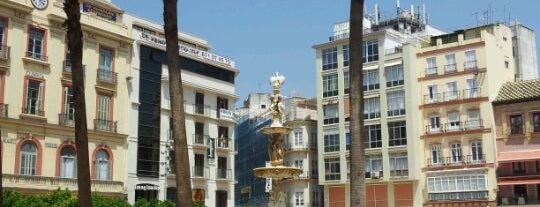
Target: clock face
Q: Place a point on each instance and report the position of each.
(40, 4)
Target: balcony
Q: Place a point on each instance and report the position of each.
(4, 110)
(66, 68)
(455, 126)
(224, 174)
(200, 140)
(36, 56)
(392, 51)
(223, 143)
(33, 111)
(66, 120)
(105, 125)
(225, 114)
(450, 68)
(328, 121)
(470, 65)
(299, 147)
(456, 161)
(451, 97)
(430, 71)
(200, 110)
(107, 76)
(200, 172)
(53, 183)
(399, 173)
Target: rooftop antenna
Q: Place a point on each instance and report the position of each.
(397, 7)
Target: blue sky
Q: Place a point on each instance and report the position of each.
(268, 36)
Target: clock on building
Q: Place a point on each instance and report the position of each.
(40, 4)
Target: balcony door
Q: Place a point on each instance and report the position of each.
(473, 121)
(456, 152)
(472, 88)
(199, 103)
(452, 91)
(222, 167)
(433, 94)
(199, 165)
(434, 124)
(221, 198)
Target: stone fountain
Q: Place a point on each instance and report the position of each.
(276, 171)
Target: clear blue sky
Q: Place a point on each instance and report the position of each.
(268, 36)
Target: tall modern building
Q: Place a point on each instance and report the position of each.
(300, 146)
(517, 120)
(209, 94)
(36, 97)
(459, 74)
(390, 111)
(524, 51)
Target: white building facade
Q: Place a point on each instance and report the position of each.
(209, 94)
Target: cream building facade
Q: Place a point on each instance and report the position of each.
(209, 95)
(459, 74)
(390, 114)
(38, 149)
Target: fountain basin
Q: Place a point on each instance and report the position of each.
(277, 172)
(276, 130)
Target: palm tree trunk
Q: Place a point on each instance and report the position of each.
(74, 36)
(358, 180)
(181, 157)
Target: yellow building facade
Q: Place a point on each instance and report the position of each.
(38, 143)
(459, 74)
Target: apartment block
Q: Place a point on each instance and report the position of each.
(390, 111)
(208, 81)
(459, 74)
(517, 119)
(524, 51)
(36, 97)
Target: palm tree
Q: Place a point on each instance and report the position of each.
(183, 179)
(358, 180)
(75, 44)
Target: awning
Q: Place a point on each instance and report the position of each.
(388, 64)
(519, 182)
(518, 156)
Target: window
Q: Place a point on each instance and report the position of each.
(371, 80)
(330, 85)
(436, 155)
(104, 121)
(372, 109)
(3, 48)
(397, 133)
(299, 199)
(36, 40)
(102, 166)
(456, 155)
(516, 124)
(399, 166)
(506, 64)
(373, 136)
(68, 162)
(374, 167)
(396, 103)
(298, 138)
(473, 120)
(472, 91)
(331, 141)
(371, 51)
(67, 118)
(453, 121)
(34, 97)
(346, 82)
(28, 159)
(314, 170)
(105, 70)
(431, 66)
(67, 62)
(331, 169)
(329, 58)
(394, 75)
(450, 66)
(316, 198)
(434, 124)
(300, 164)
(470, 60)
(314, 139)
(460, 187)
(345, 55)
(476, 151)
(348, 141)
(518, 168)
(536, 121)
(452, 92)
(433, 94)
(330, 112)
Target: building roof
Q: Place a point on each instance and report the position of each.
(528, 90)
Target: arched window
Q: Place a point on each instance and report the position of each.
(28, 159)
(102, 165)
(68, 162)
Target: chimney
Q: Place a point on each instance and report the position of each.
(377, 14)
